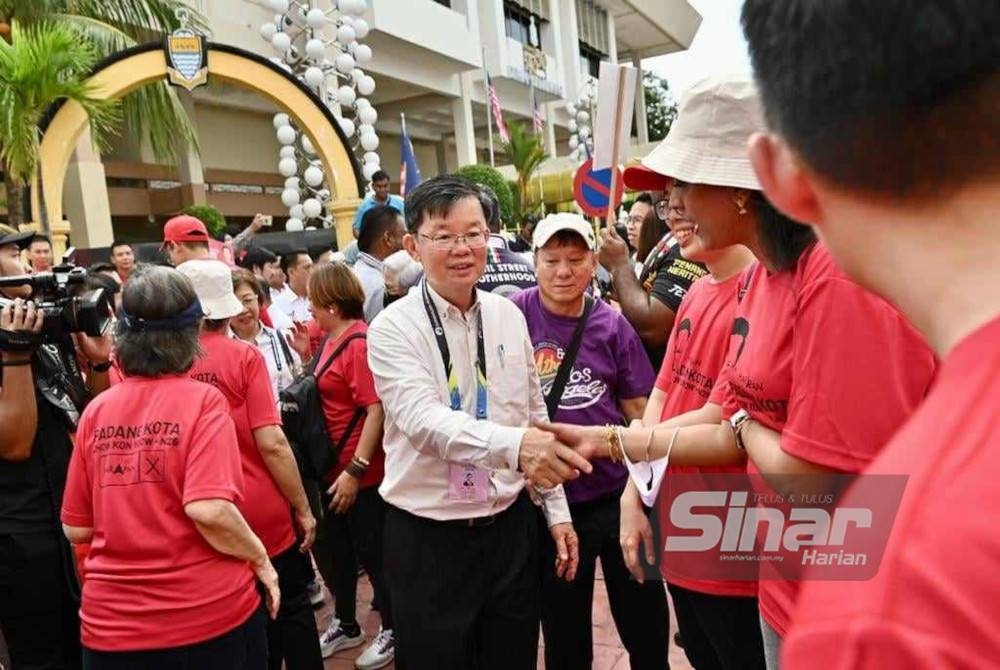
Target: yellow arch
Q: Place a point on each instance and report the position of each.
(124, 75)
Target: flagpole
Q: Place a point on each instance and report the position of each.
(489, 110)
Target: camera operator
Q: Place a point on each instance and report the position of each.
(41, 395)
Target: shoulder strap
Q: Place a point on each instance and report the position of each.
(359, 414)
(336, 352)
(566, 365)
(284, 348)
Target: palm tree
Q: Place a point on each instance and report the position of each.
(43, 64)
(153, 111)
(525, 152)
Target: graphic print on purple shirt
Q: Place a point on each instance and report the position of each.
(611, 365)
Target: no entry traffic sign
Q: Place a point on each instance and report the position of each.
(592, 189)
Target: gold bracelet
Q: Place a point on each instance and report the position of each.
(609, 435)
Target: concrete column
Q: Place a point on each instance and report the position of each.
(85, 198)
(465, 128)
(641, 123)
(441, 154)
(550, 128)
(190, 170)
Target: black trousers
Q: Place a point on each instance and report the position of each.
(38, 601)
(639, 610)
(346, 540)
(719, 632)
(464, 598)
(243, 648)
(291, 638)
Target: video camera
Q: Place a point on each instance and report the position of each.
(65, 302)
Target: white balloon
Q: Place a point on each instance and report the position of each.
(280, 120)
(357, 73)
(571, 126)
(280, 6)
(312, 208)
(361, 103)
(287, 152)
(344, 63)
(292, 182)
(369, 170)
(345, 34)
(294, 225)
(296, 212)
(368, 115)
(287, 167)
(313, 175)
(347, 126)
(372, 157)
(571, 108)
(316, 18)
(286, 134)
(315, 48)
(346, 95)
(369, 142)
(281, 42)
(574, 142)
(360, 28)
(584, 133)
(346, 6)
(323, 194)
(582, 116)
(268, 31)
(307, 145)
(366, 85)
(314, 76)
(358, 7)
(311, 228)
(366, 129)
(290, 197)
(363, 53)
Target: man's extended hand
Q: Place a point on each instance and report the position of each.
(588, 442)
(547, 462)
(613, 251)
(567, 550)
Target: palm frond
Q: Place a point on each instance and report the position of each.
(142, 19)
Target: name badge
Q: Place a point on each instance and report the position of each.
(467, 483)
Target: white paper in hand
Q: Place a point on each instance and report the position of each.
(647, 477)
(614, 78)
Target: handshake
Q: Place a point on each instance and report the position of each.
(553, 453)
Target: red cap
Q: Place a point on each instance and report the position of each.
(184, 228)
(641, 178)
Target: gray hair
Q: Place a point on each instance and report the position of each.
(154, 293)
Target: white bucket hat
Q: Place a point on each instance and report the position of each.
(213, 284)
(707, 143)
(553, 223)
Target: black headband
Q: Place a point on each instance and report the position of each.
(189, 317)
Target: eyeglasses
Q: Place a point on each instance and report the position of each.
(663, 210)
(635, 219)
(249, 300)
(475, 239)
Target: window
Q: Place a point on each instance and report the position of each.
(592, 22)
(590, 60)
(518, 24)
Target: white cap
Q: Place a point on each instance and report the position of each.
(553, 223)
(213, 284)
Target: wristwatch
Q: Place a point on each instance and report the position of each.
(739, 421)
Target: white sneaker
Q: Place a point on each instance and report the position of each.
(379, 654)
(334, 639)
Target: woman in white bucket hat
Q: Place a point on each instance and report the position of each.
(817, 373)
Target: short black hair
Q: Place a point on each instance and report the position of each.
(491, 207)
(376, 222)
(644, 197)
(380, 175)
(317, 250)
(887, 98)
(291, 259)
(41, 238)
(101, 266)
(257, 257)
(437, 196)
(118, 243)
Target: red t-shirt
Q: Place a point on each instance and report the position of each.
(833, 368)
(144, 449)
(935, 602)
(238, 370)
(695, 354)
(344, 387)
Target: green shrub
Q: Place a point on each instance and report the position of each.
(210, 215)
(488, 176)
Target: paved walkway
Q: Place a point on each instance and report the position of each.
(609, 654)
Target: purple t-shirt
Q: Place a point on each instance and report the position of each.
(611, 365)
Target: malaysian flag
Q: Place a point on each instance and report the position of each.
(497, 109)
(537, 120)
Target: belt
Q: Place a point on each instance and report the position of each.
(472, 522)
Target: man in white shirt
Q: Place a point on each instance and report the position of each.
(462, 535)
(381, 235)
(297, 266)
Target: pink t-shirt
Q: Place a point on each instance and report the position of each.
(144, 449)
(833, 368)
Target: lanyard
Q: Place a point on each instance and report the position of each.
(449, 370)
(274, 348)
